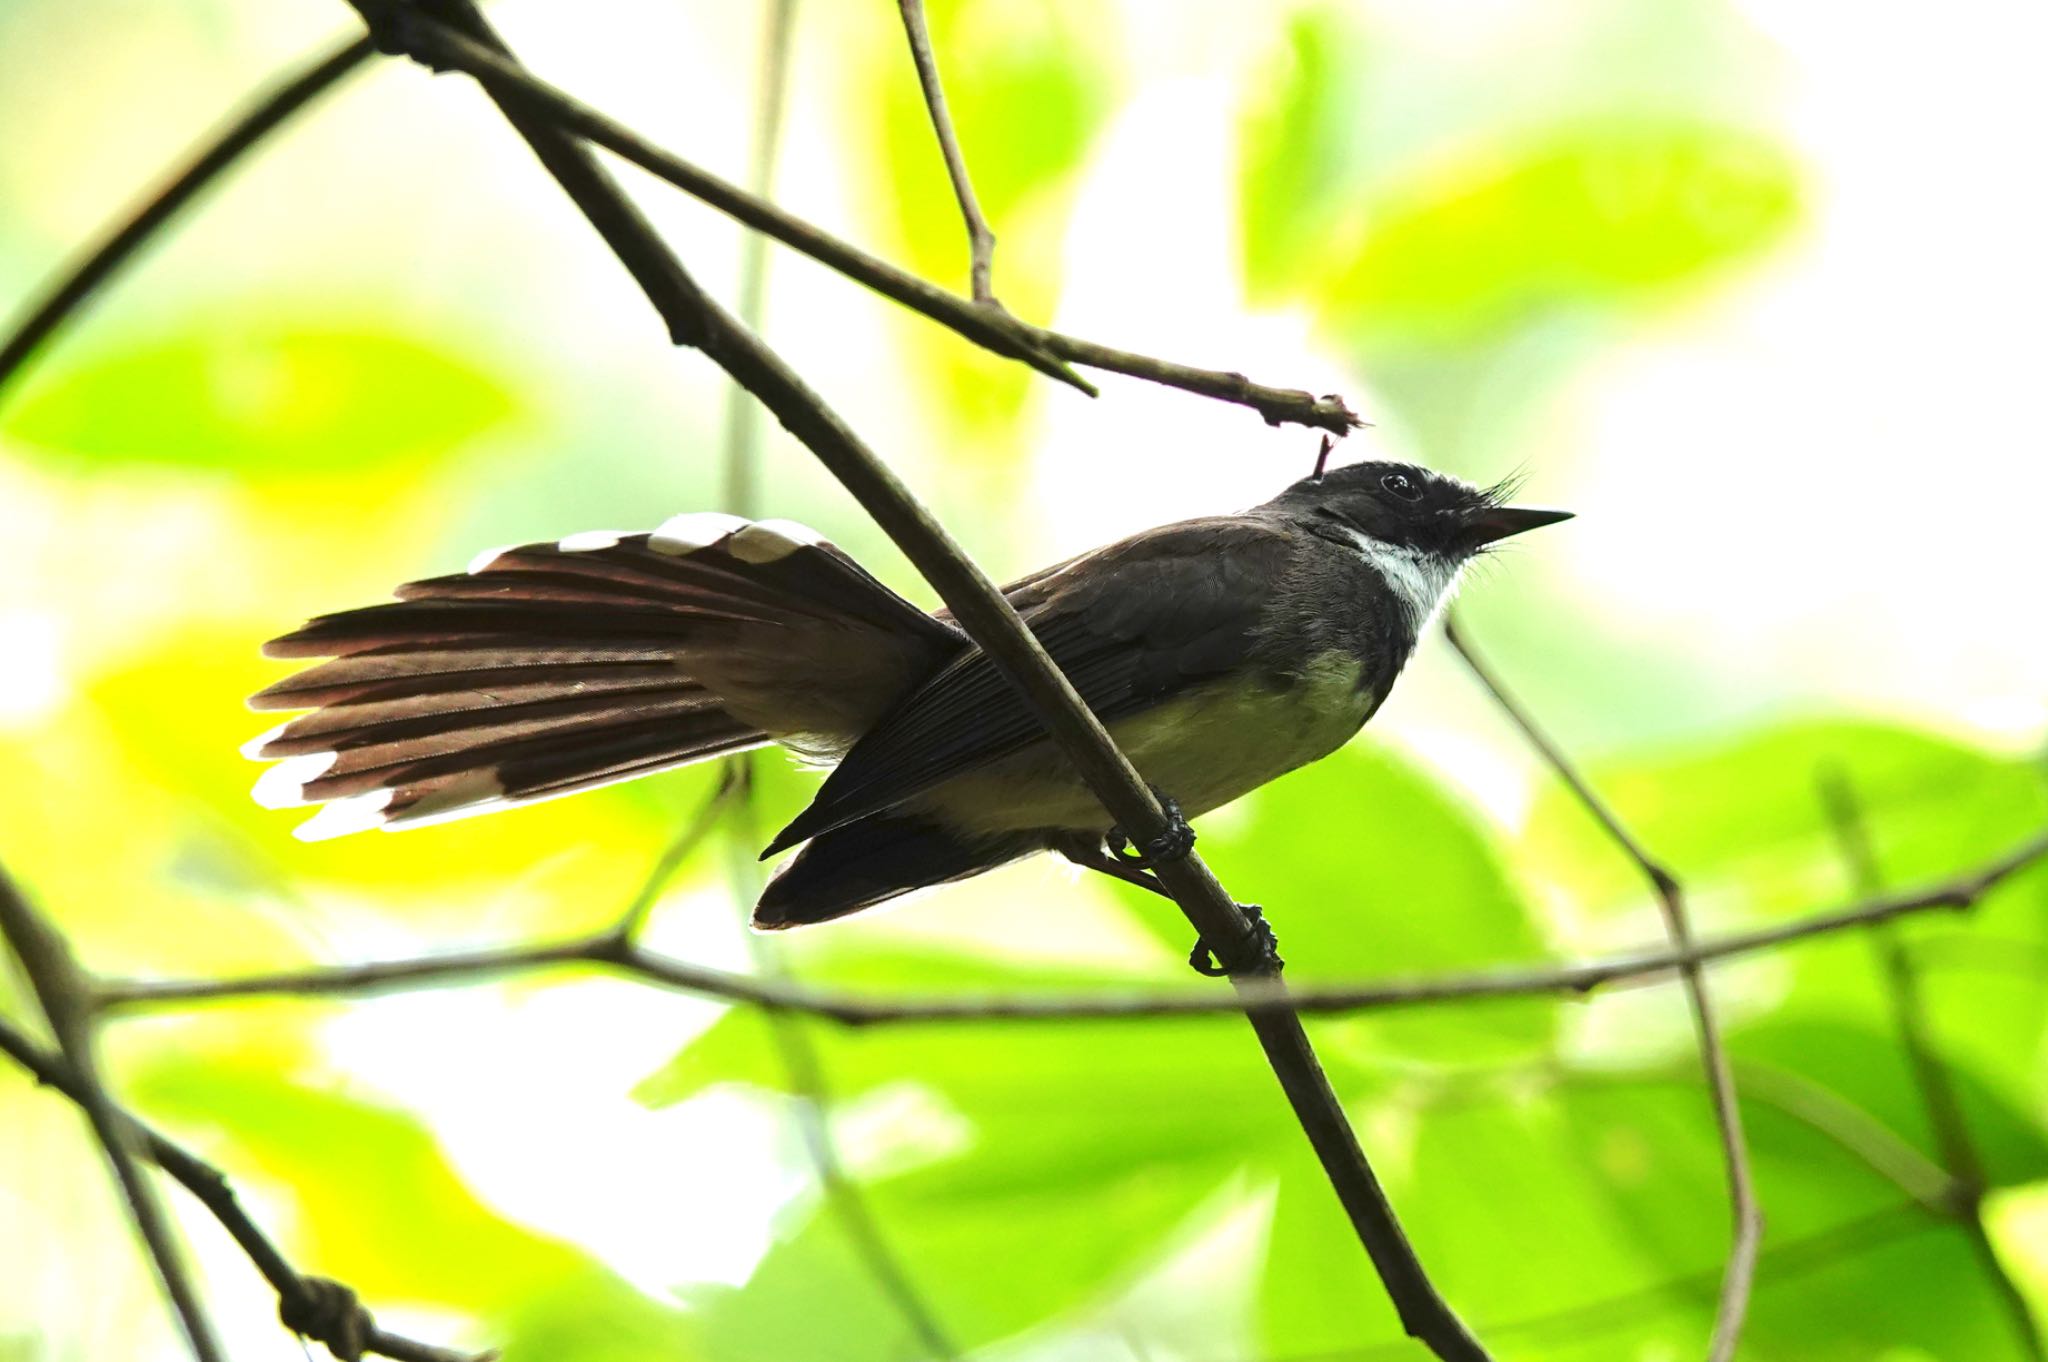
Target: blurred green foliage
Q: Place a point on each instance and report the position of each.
(1554, 1158)
(278, 399)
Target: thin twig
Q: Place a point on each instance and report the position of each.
(810, 1094)
(1789, 1259)
(297, 1295)
(634, 961)
(1748, 1219)
(71, 289)
(1931, 1076)
(700, 826)
(63, 995)
(1822, 1109)
(693, 318)
(981, 242)
(442, 48)
(742, 413)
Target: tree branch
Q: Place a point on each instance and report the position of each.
(298, 1297)
(634, 961)
(76, 285)
(1938, 1095)
(981, 242)
(809, 1092)
(695, 319)
(1748, 1219)
(442, 48)
(63, 995)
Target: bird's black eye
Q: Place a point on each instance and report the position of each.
(1402, 486)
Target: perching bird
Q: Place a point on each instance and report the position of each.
(1221, 652)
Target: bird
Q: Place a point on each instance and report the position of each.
(1221, 652)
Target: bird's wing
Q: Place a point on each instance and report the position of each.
(1130, 625)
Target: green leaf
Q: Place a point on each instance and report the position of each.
(1037, 94)
(1301, 171)
(1749, 814)
(1587, 215)
(1082, 1148)
(289, 399)
(1869, 1071)
(376, 1203)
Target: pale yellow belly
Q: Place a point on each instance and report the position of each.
(1204, 749)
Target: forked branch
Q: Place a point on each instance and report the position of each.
(695, 319)
(1747, 1234)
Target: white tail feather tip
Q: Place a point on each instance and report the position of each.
(590, 541)
(681, 534)
(283, 786)
(253, 749)
(489, 556)
(357, 813)
(765, 541)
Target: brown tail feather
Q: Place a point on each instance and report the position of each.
(551, 668)
(383, 675)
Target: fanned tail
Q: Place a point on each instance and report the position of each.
(552, 668)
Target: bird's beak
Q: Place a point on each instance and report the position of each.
(1498, 522)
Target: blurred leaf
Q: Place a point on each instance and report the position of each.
(592, 1316)
(1300, 175)
(1467, 246)
(1869, 1072)
(1024, 120)
(376, 1204)
(1749, 813)
(289, 400)
(1088, 1145)
(1588, 215)
(1027, 90)
(991, 1260)
(1901, 1286)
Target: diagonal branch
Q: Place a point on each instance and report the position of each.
(695, 319)
(64, 996)
(1938, 1095)
(298, 1297)
(1748, 1219)
(981, 242)
(637, 962)
(72, 289)
(811, 1098)
(442, 48)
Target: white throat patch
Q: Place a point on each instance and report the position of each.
(1423, 582)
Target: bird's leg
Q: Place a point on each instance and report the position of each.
(1089, 853)
(1174, 844)
(1206, 962)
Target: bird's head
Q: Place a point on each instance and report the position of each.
(1416, 526)
(1404, 506)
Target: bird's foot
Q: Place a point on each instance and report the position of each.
(1174, 844)
(1265, 946)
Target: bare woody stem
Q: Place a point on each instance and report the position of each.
(1106, 1004)
(1931, 1075)
(297, 1296)
(76, 285)
(1747, 1233)
(63, 995)
(810, 1106)
(443, 48)
(981, 242)
(695, 319)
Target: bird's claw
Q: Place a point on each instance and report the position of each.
(1174, 844)
(1266, 946)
